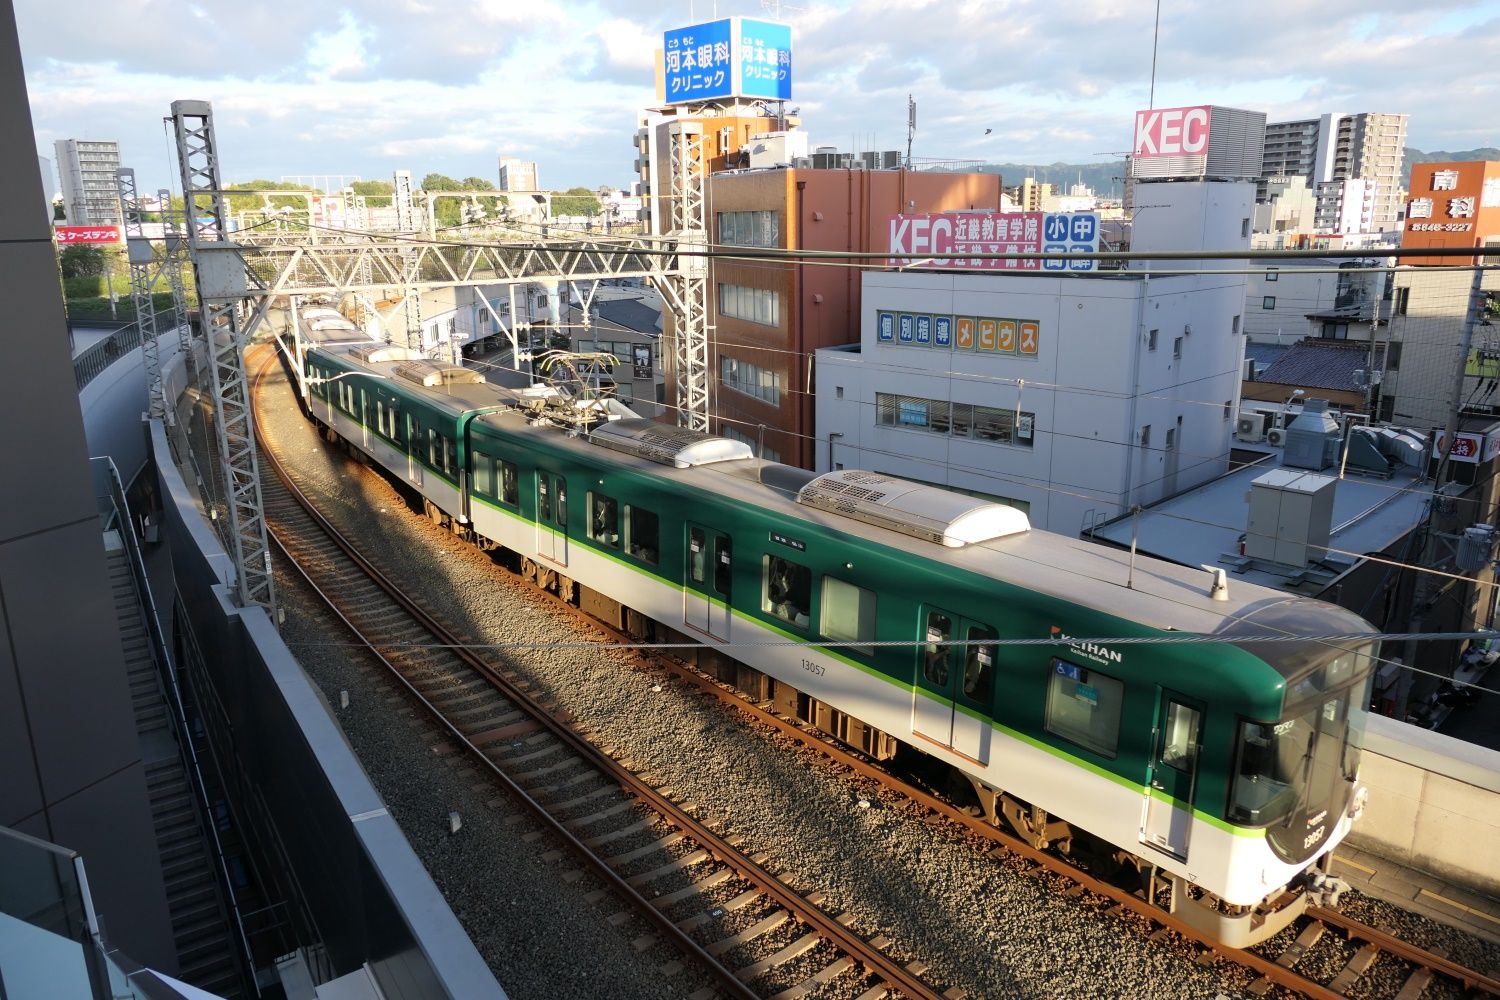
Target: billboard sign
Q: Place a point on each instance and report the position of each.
(1466, 447)
(912, 237)
(1172, 131)
(730, 57)
(68, 236)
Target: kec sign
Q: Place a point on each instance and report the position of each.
(1172, 131)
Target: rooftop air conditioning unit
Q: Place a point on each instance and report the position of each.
(1276, 437)
(1251, 426)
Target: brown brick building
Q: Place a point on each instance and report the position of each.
(768, 317)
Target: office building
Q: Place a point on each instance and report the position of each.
(90, 189)
(518, 175)
(1333, 152)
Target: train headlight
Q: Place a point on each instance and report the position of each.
(1357, 804)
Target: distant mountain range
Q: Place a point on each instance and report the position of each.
(1107, 179)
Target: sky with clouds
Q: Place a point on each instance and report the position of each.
(306, 87)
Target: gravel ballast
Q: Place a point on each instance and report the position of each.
(980, 924)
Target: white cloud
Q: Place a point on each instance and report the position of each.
(338, 86)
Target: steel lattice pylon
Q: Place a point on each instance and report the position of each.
(221, 284)
(690, 283)
(138, 253)
(172, 263)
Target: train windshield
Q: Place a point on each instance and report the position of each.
(1302, 766)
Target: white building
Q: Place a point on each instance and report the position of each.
(1333, 150)
(1311, 297)
(1287, 205)
(1121, 388)
(518, 175)
(90, 189)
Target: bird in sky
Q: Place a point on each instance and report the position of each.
(988, 131)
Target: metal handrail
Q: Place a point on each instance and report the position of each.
(90, 363)
(161, 653)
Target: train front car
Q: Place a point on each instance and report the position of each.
(1293, 789)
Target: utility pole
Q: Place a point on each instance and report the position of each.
(1426, 591)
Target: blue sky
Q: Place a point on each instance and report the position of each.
(330, 87)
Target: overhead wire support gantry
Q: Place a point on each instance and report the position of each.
(239, 276)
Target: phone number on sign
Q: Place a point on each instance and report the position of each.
(1441, 227)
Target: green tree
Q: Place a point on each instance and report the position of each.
(237, 203)
(440, 182)
(377, 194)
(81, 261)
(575, 201)
(477, 184)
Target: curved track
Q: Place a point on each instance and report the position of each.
(641, 841)
(648, 848)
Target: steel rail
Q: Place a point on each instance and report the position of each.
(875, 961)
(1385, 942)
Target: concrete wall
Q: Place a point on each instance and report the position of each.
(70, 765)
(1434, 803)
(365, 888)
(1093, 386)
(115, 401)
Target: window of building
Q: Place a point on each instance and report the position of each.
(1083, 706)
(965, 420)
(484, 474)
(1146, 436)
(752, 380)
(1335, 331)
(1234, 327)
(1403, 295)
(1228, 403)
(642, 534)
(749, 229)
(1177, 347)
(1268, 302)
(1151, 340)
(848, 614)
(787, 591)
(604, 520)
(758, 305)
(1273, 274)
(1171, 438)
(1245, 229)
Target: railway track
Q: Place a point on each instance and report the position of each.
(1326, 955)
(724, 909)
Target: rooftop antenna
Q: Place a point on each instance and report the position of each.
(1155, 37)
(911, 126)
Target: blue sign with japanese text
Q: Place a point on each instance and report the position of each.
(730, 57)
(699, 61)
(942, 331)
(765, 60)
(905, 328)
(924, 330)
(885, 326)
(1071, 233)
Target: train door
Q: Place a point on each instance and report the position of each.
(364, 420)
(705, 586)
(413, 449)
(1173, 778)
(954, 684)
(552, 517)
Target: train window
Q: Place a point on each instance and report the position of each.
(432, 448)
(484, 474)
(697, 555)
(721, 565)
(935, 651)
(562, 502)
(1083, 706)
(788, 590)
(1180, 740)
(604, 519)
(380, 416)
(642, 534)
(450, 455)
(979, 663)
(848, 614)
(510, 484)
(543, 498)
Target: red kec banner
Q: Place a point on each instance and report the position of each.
(73, 235)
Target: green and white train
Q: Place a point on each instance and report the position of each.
(1225, 772)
